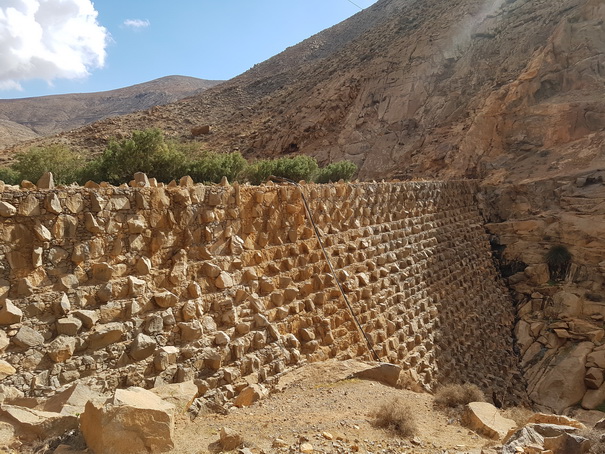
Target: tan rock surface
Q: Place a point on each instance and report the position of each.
(486, 419)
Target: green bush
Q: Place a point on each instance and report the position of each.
(146, 151)
(342, 170)
(558, 259)
(9, 176)
(212, 167)
(295, 169)
(64, 163)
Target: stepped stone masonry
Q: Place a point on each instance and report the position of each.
(143, 286)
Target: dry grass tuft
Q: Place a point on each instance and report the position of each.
(518, 414)
(397, 417)
(453, 396)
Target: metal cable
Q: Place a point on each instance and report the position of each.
(325, 253)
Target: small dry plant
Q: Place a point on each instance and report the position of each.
(396, 416)
(518, 414)
(452, 396)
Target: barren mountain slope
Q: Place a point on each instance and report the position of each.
(27, 118)
(477, 88)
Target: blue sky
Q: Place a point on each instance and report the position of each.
(109, 44)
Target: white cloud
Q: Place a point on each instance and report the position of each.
(137, 24)
(49, 39)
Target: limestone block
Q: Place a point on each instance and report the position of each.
(134, 421)
(74, 203)
(144, 266)
(211, 270)
(136, 287)
(105, 292)
(9, 313)
(105, 334)
(33, 424)
(7, 210)
(596, 359)
(142, 347)
(229, 439)
(53, 204)
(29, 206)
(118, 203)
(62, 348)
(102, 272)
(194, 289)
(189, 311)
(91, 224)
(224, 280)
(559, 420)
(485, 419)
(165, 299)
(28, 337)
(88, 318)
(181, 395)
(221, 338)
(154, 324)
(6, 369)
(136, 224)
(69, 326)
(249, 395)
(191, 331)
(4, 341)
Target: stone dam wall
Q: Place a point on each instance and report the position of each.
(119, 286)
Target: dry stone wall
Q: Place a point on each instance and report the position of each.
(117, 286)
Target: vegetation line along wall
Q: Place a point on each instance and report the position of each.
(228, 284)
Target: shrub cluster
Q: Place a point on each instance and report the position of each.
(147, 151)
(397, 417)
(456, 395)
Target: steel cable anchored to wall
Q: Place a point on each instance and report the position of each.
(325, 253)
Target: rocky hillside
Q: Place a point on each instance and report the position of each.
(29, 118)
(508, 90)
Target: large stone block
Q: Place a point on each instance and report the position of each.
(133, 421)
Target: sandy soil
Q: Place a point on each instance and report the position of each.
(319, 405)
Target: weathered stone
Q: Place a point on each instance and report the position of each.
(230, 439)
(136, 286)
(384, 373)
(6, 369)
(9, 313)
(102, 272)
(144, 266)
(485, 419)
(134, 421)
(224, 280)
(567, 304)
(4, 341)
(42, 233)
(53, 204)
(142, 347)
(28, 337)
(88, 318)
(72, 401)
(62, 348)
(593, 378)
(104, 335)
(46, 181)
(249, 395)
(33, 424)
(141, 180)
(181, 395)
(191, 331)
(562, 385)
(165, 299)
(7, 210)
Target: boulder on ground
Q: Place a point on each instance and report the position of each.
(133, 421)
(71, 401)
(181, 395)
(484, 418)
(31, 424)
(249, 395)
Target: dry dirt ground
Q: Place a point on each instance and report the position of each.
(319, 405)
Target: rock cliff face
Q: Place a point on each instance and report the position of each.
(504, 90)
